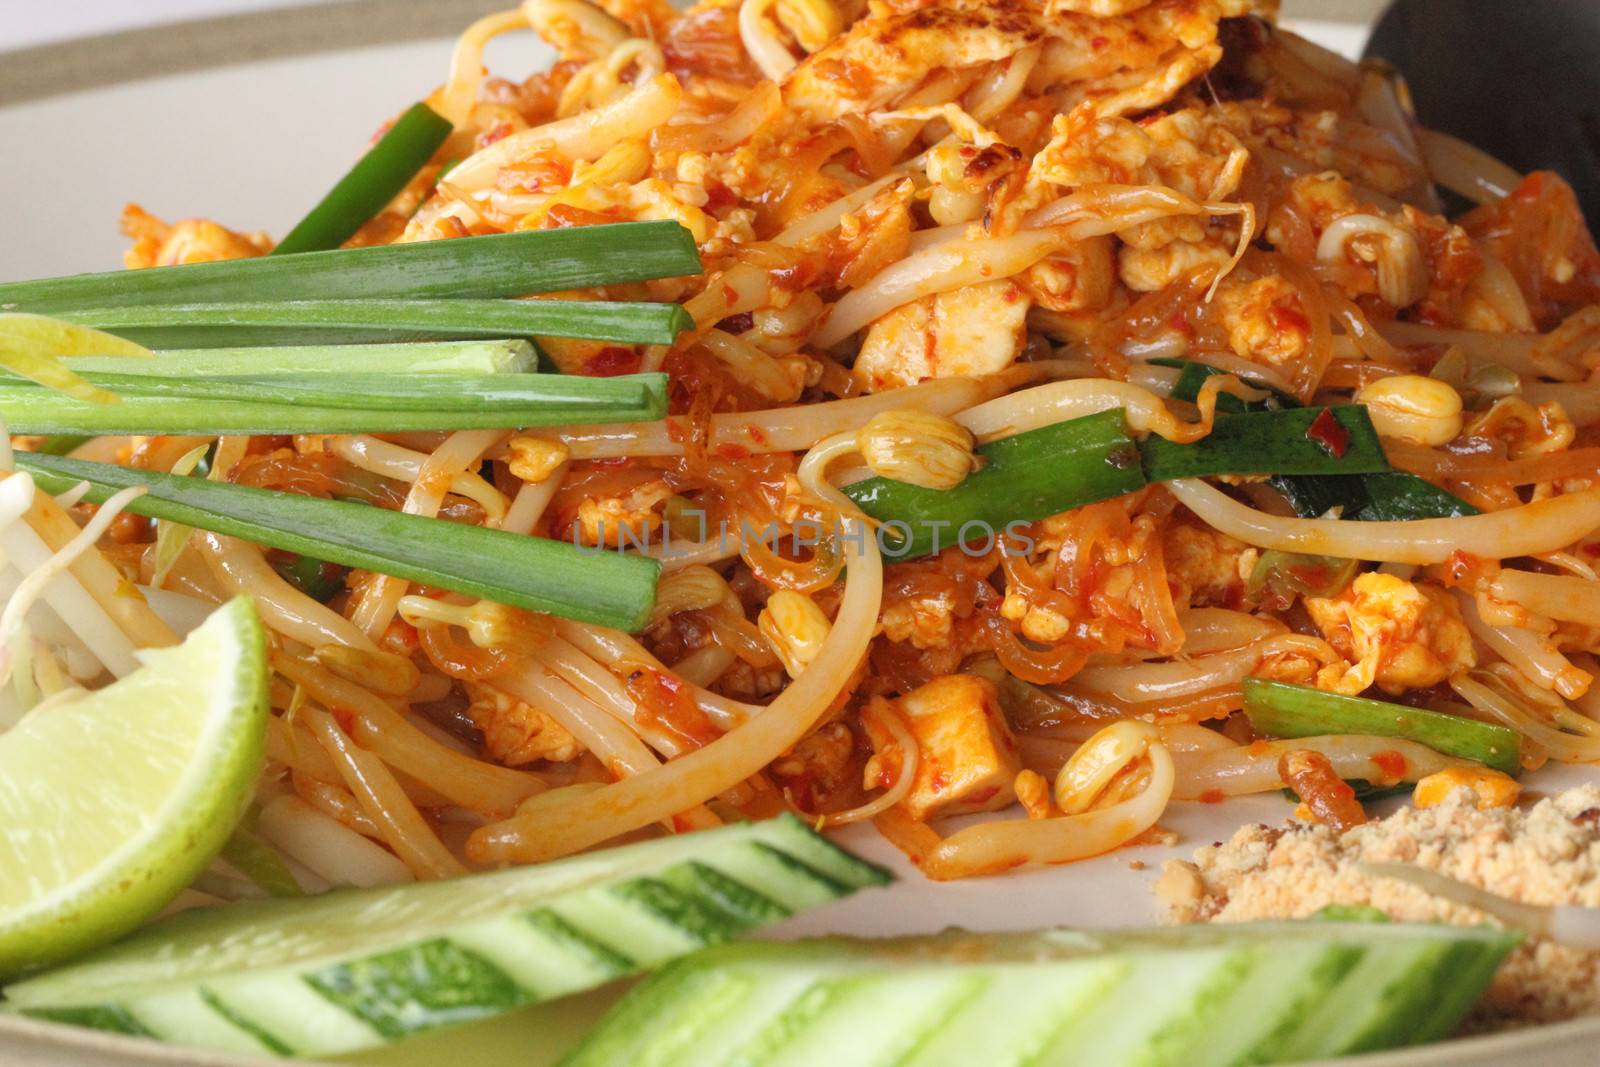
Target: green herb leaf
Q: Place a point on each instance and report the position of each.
(608, 588)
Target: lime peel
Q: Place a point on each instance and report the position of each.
(110, 805)
(30, 345)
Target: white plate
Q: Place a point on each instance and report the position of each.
(252, 144)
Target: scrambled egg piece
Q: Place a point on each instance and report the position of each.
(1265, 320)
(1399, 635)
(1108, 577)
(515, 733)
(883, 56)
(967, 758)
(1190, 151)
(1206, 568)
(1080, 278)
(1149, 270)
(1135, 62)
(976, 330)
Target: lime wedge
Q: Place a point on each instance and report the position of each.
(110, 805)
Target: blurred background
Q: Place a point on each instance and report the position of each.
(245, 110)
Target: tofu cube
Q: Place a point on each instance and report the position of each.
(968, 760)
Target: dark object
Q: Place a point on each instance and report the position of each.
(1517, 79)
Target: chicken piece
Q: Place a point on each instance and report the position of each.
(1265, 320)
(976, 330)
(515, 733)
(967, 759)
(161, 244)
(1206, 568)
(1399, 635)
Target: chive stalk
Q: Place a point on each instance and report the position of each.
(535, 573)
(1379, 496)
(1066, 465)
(1271, 442)
(1024, 478)
(1396, 496)
(1279, 709)
(330, 322)
(444, 357)
(497, 265)
(376, 179)
(325, 403)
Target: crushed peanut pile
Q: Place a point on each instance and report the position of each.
(1545, 854)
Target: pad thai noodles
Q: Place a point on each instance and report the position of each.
(1082, 406)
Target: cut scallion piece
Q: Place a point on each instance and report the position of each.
(503, 264)
(325, 403)
(444, 357)
(1393, 497)
(1279, 709)
(374, 181)
(310, 322)
(608, 588)
(1300, 441)
(1025, 478)
(1384, 496)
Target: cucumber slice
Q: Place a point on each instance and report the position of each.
(1198, 996)
(349, 970)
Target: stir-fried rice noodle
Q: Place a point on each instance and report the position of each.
(1013, 219)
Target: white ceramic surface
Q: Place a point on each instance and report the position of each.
(252, 144)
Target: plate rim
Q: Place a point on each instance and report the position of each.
(58, 68)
